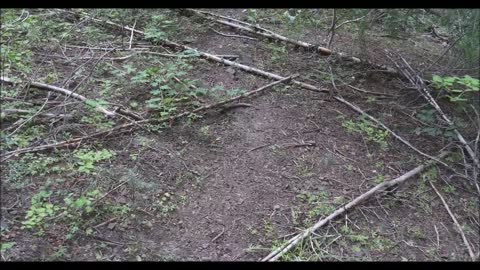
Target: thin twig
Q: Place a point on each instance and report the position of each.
(469, 248)
(31, 117)
(354, 20)
(110, 191)
(332, 29)
(131, 35)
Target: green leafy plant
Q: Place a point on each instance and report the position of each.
(252, 15)
(367, 129)
(278, 53)
(39, 211)
(318, 204)
(169, 87)
(427, 116)
(87, 159)
(75, 208)
(159, 28)
(456, 88)
(6, 246)
(379, 179)
(96, 118)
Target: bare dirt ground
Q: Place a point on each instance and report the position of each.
(234, 183)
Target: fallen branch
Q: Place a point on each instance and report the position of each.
(255, 29)
(351, 21)
(304, 144)
(260, 31)
(460, 230)
(60, 90)
(137, 124)
(14, 111)
(276, 254)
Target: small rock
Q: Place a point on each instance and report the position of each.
(111, 226)
(276, 207)
(148, 224)
(231, 70)
(121, 200)
(204, 246)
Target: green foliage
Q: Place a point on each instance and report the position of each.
(75, 208)
(83, 204)
(87, 159)
(379, 179)
(367, 129)
(278, 53)
(458, 22)
(23, 138)
(252, 15)
(456, 89)
(6, 246)
(39, 211)
(427, 116)
(96, 118)
(318, 204)
(401, 21)
(166, 90)
(160, 28)
(32, 165)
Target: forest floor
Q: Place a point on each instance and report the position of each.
(234, 183)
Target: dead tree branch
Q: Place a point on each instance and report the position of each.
(255, 29)
(60, 90)
(276, 254)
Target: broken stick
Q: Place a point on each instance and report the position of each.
(60, 90)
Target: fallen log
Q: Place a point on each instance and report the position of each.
(277, 253)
